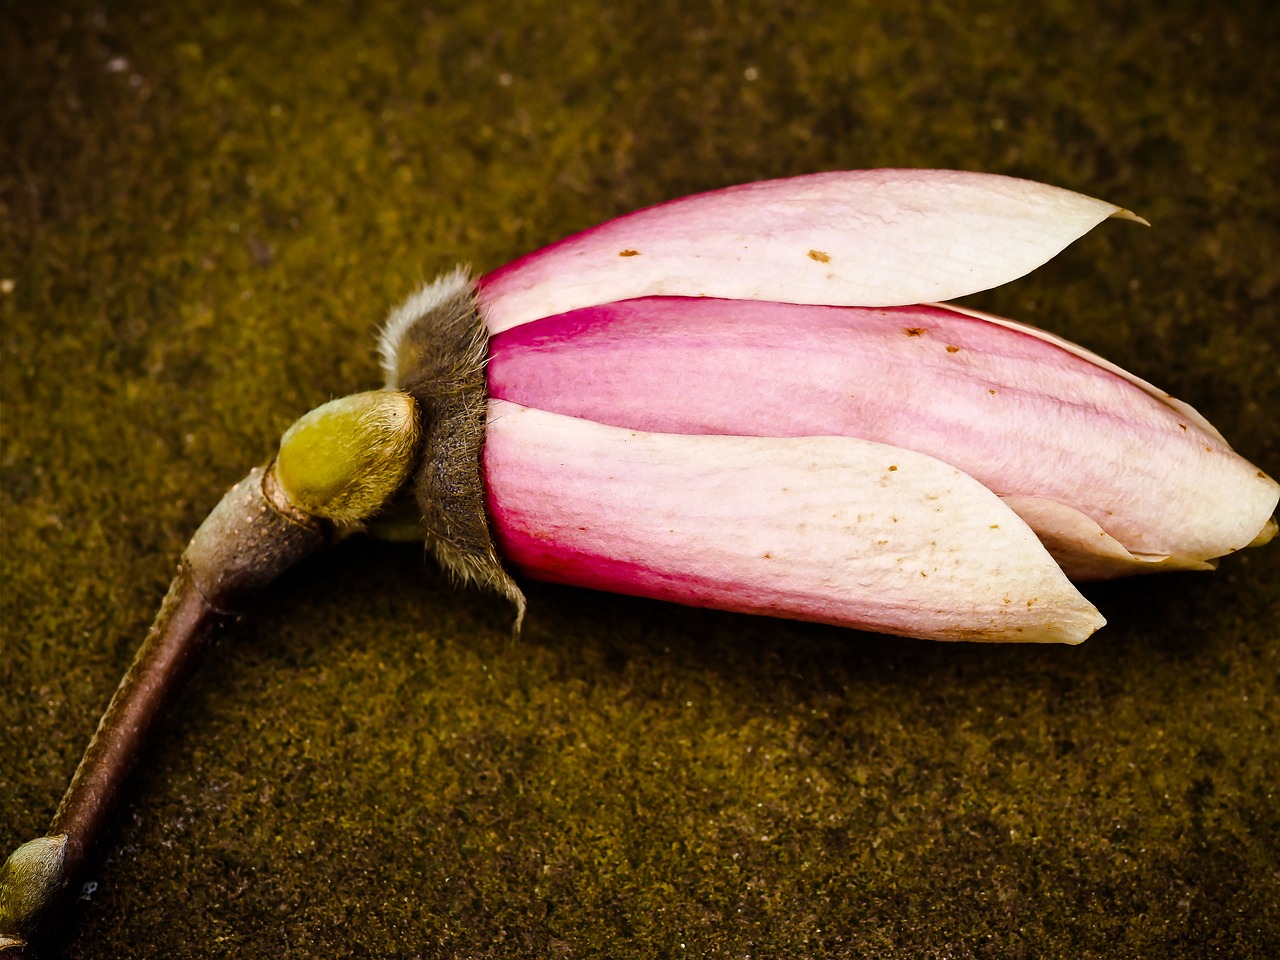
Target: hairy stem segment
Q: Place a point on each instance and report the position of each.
(250, 538)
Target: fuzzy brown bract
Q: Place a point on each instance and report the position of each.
(437, 354)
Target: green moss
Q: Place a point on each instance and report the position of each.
(208, 208)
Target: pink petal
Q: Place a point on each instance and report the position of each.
(1188, 413)
(867, 237)
(1024, 413)
(829, 529)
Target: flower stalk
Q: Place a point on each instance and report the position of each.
(338, 464)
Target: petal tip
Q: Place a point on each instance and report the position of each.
(1122, 214)
(1266, 534)
(1093, 627)
(1076, 629)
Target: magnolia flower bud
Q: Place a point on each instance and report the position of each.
(744, 400)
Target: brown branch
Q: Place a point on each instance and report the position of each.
(251, 537)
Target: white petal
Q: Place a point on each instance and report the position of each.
(1084, 550)
(829, 529)
(859, 238)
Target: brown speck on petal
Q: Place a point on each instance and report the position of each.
(628, 253)
(893, 467)
(819, 256)
(914, 331)
(952, 349)
(992, 392)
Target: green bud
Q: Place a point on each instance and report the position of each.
(343, 460)
(29, 880)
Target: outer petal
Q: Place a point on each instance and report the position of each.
(1026, 414)
(816, 528)
(868, 237)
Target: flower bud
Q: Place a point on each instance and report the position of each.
(344, 459)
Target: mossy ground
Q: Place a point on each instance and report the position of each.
(207, 208)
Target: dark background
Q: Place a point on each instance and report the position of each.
(207, 210)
